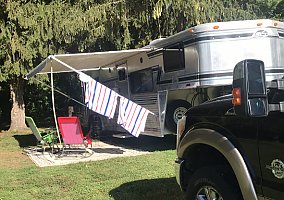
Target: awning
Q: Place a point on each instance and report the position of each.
(83, 61)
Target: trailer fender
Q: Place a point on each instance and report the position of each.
(228, 150)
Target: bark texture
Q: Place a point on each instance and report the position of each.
(18, 105)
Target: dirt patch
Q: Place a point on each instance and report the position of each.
(14, 160)
(3, 134)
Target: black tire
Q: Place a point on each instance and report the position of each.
(174, 112)
(217, 180)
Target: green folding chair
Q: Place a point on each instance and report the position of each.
(49, 137)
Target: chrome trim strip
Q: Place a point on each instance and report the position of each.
(217, 37)
(178, 164)
(230, 152)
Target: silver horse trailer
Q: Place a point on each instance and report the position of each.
(175, 73)
(196, 65)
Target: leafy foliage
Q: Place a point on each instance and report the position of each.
(151, 19)
(30, 30)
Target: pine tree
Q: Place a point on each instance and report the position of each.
(31, 30)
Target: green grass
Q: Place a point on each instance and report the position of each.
(144, 177)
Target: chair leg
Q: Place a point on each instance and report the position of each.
(43, 148)
(52, 147)
(57, 147)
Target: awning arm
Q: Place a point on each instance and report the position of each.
(37, 69)
(64, 64)
(41, 66)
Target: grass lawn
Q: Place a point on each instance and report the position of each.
(143, 177)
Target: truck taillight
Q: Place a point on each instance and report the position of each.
(236, 96)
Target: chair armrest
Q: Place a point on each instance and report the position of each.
(88, 138)
(50, 136)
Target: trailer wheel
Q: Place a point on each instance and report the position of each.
(175, 111)
(212, 183)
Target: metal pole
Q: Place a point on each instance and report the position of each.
(127, 78)
(53, 104)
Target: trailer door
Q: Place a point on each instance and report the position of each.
(143, 92)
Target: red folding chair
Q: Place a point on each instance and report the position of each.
(72, 135)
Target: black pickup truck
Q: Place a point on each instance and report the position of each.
(232, 147)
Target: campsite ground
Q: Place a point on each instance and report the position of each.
(149, 176)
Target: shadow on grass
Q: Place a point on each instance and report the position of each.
(108, 150)
(26, 140)
(164, 188)
(144, 143)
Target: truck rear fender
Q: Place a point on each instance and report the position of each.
(224, 146)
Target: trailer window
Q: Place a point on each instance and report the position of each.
(121, 74)
(141, 81)
(173, 57)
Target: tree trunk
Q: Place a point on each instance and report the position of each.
(18, 105)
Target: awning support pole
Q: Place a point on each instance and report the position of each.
(127, 78)
(53, 105)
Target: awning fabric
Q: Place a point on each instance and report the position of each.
(83, 61)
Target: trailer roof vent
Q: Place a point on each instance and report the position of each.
(154, 42)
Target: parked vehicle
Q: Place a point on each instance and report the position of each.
(196, 65)
(232, 147)
(175, 73)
